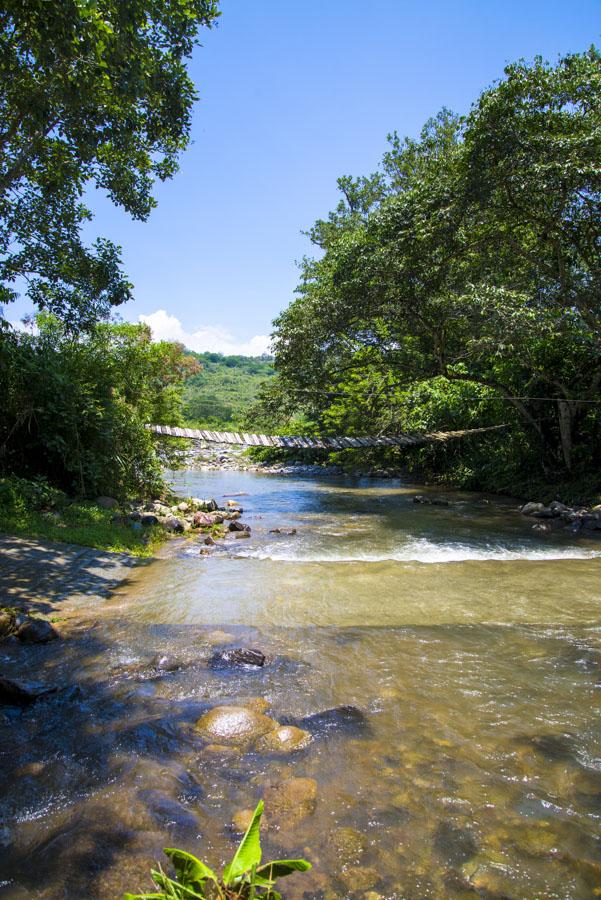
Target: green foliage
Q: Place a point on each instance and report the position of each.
(74, 409)
(92, 95)
(244, 877)
(36, 509)
(218, 395)
(460, 286)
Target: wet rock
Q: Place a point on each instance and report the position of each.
(440, 501)
(528, 509)
(543, 527)
(238, 526)
(287, 531)
(168, 813)
(22, 693)
(220, 637)
(107, 502)
(420, 498)
(241, 534)
(205, 505)
(206, 520)
(360, 878)
(234, 724)
(37, 631)
(242, 819)
(558, 508)
(349, 844)
(173, 524)
(238, 656)
(165, 663)
(453, 844)
(8, 622)
(338, 720)
(289, 802)
(148, 520)
(285, 739)
(209, 541)
(554, 747)
(544, 513)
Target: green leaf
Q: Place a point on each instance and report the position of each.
(190, 870)
(281, 867)
(248, 853)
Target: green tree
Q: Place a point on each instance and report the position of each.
(471, 260)
(93, 94)
(74, 407)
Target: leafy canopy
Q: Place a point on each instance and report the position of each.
(93, 94)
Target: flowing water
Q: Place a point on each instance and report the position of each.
(468, 647)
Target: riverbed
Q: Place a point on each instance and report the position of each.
(467, 646)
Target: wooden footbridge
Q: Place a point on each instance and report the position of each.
(317, 443)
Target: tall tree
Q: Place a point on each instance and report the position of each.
(93, 93)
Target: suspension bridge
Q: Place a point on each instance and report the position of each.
(317, 443)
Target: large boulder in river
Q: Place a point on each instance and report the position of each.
(339, 719)
(238, 526)
(206, 520)
(234, 725)
(285, 739)
(237, 657)
(529, 509)
(37, 631)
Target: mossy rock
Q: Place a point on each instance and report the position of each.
(234, 725)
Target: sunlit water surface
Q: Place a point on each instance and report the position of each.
(471, 645)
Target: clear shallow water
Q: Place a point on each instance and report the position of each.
(471, 646)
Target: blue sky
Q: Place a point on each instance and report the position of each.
(295, 93)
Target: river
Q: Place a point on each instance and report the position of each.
(468, 646)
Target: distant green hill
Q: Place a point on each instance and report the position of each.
(221, 393)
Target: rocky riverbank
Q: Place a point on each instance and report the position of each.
(558, 516)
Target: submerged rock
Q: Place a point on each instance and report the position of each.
(453, 844)
(22, 693)
(234, 724)
(285, 739)
(289, 802)
(286, 531)
(37, 631)
(165, 663)
(338, 720)
(8, 622)
(238, 656)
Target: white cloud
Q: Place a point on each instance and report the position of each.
(212, 338)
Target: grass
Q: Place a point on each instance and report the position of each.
(79, 523)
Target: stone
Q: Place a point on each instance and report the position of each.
(206, 520)
(173, 524)
(8, 622)
(183, 506)
(558, 508)
(453, 844)
(135, 515)
(288, 532)
(220, 637)
(554, 747)
(164, 663)
(37, 631)
(234, 725)
(148, 520)
(544, 513)
(241, 534)
(242, 819)
(339, 719)
(528, 509)
(259, 704)
(419, 498)
(349, 843)
(232, 504)
(238, 656)
(107, 502)
(289, 802)
(543, 527)
(209, 541)
(22, 693)
(285, 739)
(440, 501)
(238, 526)
(360, 878)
